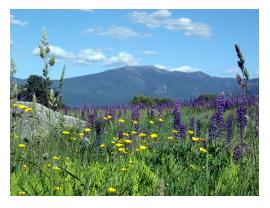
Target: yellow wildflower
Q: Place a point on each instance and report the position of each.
(102, 145)
(142, 135)
(190, 133)
(57, 188)
(87, 129)
(22, 146)
(109, 117)
(14, 105)
(151, 122)
(135, 122)
(81, 134)
(113, 142)
(153, 136)
(111, 190)
(22, 107)
(195, 139)
(125, 134)
(66, 132)
(73, 138)
(25, 168)
(49, 165)
(169, 137)
(105, 118)
(174, 131)
(142, 147)
(56, 168)
(118, 145)
(121, 149)
(202, 150)
(27, 110)
(127, 141)
(123, 169)
(134, 132)
(56, 157)
(22, 193)
(130, 162)
(121, 120)
(160, 120)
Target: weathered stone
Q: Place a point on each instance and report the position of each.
(40, 120)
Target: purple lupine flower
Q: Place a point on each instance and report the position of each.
(91, 120)
(229, 123)
(237, 153)
(192, 124)
(135, 116)
(182, 131)
(241, 119)
(152, 114)
(177, 115)
(198, 128)
(220, 109)
(120, 134)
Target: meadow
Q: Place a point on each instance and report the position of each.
(197, 147)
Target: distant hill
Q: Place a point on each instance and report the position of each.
(118, 86)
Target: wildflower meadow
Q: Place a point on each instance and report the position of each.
(194, 147)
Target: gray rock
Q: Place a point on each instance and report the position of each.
(40, 121)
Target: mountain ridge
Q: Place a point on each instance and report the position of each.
(118, 86)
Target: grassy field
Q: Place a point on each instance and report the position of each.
(150, 161)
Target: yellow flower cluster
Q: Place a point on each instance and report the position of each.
(202, 150)
(87, 129)
(65, 132)
(111, 189)
(56, 157)
(153, 136)
(197, 139)
(22, 107)
(121, 120)
(190, 133)
(57, 188)
(102, 145)
(22, 146)
(108, 117)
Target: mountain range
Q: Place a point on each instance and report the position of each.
(118, 86)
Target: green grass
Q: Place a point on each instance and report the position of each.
(166, 167)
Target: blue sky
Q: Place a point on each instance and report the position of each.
(91, 41)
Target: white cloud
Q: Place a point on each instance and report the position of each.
(90, 56)
(85, 56)
(149, 52)
(57, 52)
(123, 58)
(163, 19)
(183, 68)
(17, 21)
(117, 32)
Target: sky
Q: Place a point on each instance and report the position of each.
(92, 41)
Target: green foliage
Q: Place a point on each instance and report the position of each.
(167, 167)
(242, 81)
(14, 90)
(42, 87)
(149, 101)
(35, 85)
